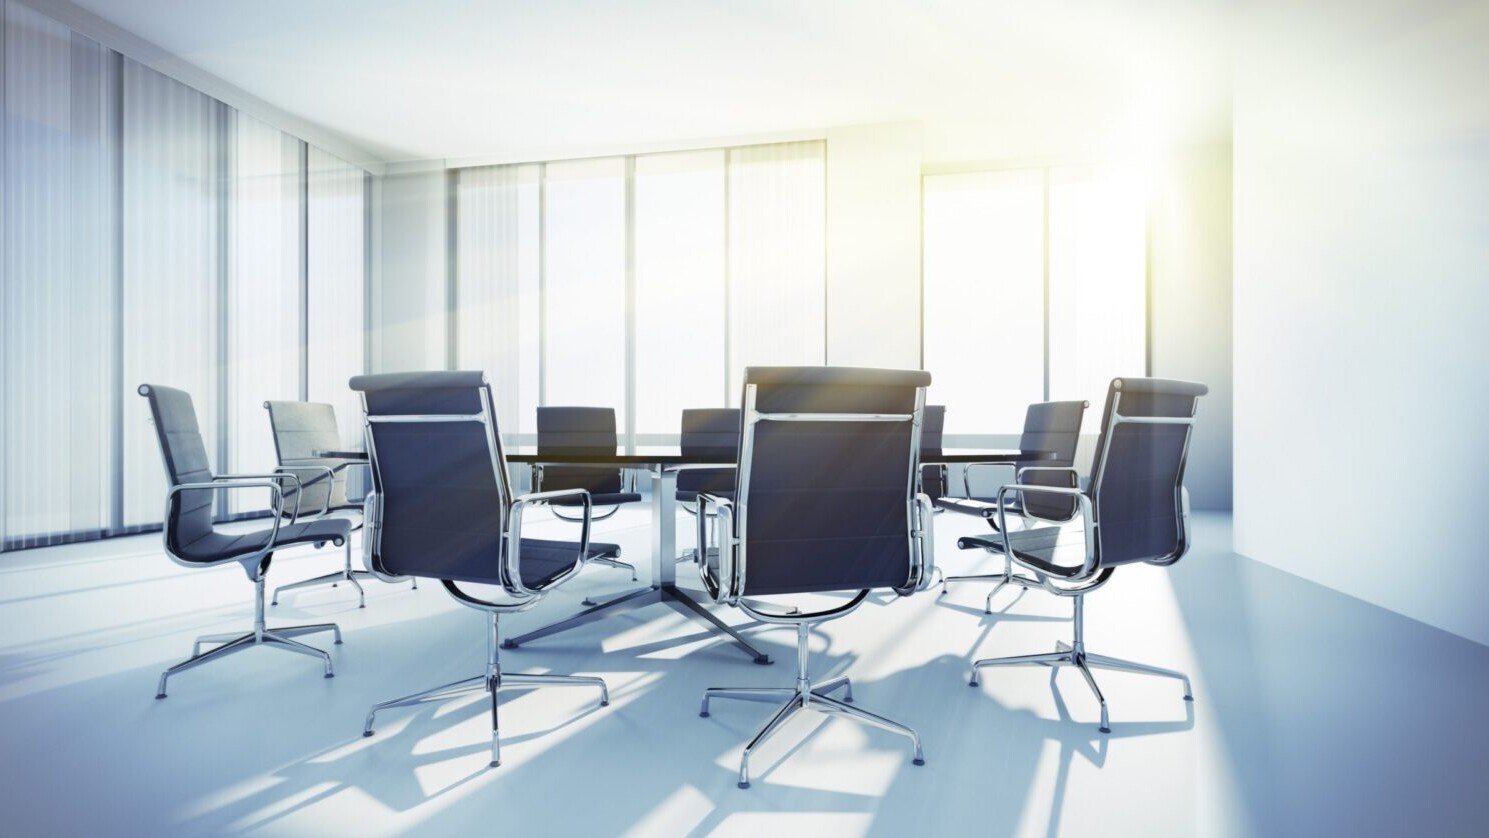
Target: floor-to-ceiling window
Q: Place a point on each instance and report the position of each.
(57, 280)
(263, 288)
(173, 181)
(335, 279)
(642, 283)
(680, 290)
(152, 234)
(1034, 288)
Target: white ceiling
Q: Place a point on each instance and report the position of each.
(545, 78)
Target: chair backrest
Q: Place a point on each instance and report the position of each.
(1137, 475)
(301, 429)
(184, 453)
(578, 431)
(1056, 427)
(439, 472)
(826, 478)
(711, 433)
(932, 480)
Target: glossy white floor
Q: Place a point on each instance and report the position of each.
(1314, 713)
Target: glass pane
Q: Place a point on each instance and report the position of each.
(172, 190)
(336, 280)
(263, 292)
(496, 286)
(984, 297)
(585, 254)
(1098, 283)
(777, 257)
(679, 287)
(57, 282)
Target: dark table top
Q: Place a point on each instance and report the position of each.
(665, 455)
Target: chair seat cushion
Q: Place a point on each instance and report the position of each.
(543, 560)
(981, 507)
(604, 499)
(218, 545)
(1058, 551)
(689, 497)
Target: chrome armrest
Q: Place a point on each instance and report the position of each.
(1071, 470)
(967, 475)
(700, 466)
(725, 588)
(1088, 521)
(1075, 483)
(222, 483)
(276, 476)
(923, 553)
(320, 474)
(513, 569)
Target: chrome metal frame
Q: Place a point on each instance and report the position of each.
(509, 515)
(254, 566)
(347, 572)
(1008, 577)
(728, 586)
(537, 478)
(1091, 575)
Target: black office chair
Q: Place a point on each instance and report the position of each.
(932, 473)
(580, 431)
(442, 508)
(711, 432)
(302, 431)
(1048, 426)
(1136, 510)
(193, 540)
(825, 501)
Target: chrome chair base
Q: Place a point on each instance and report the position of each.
(1007, 577)
(804, 696)
(346, 574)
(1075, 654)
(587, 602)
(492, 682)
(278, 638)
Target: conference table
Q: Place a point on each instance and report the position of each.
(664, 463)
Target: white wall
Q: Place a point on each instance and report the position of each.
(873, 246)
(1362, 294)
(410, 322)
(1189, 270)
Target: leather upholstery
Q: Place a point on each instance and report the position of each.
(190, 533)
(713, 433)
(301, 429)
(827, 503)
(443, 491)
(581, 431)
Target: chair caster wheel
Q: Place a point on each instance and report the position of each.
(366, 733)
(971, 683)
(744, 785)
(604, 704)
(274, 602)
(338, 642)
(320, 544)
(508, 644)
(159, 696)
(1104, 729)
(919, 760)
(763, 660)
(702, 715)
(330, 675)
(334, 584)
(1188, 698)
(363, 605)
(494, 764)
